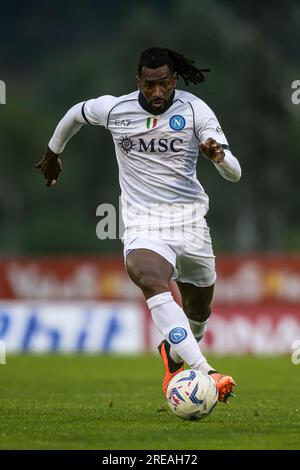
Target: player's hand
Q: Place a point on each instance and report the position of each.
(50, 165)
(212, 150)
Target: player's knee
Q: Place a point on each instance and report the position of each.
(152, 285)
(197, 313)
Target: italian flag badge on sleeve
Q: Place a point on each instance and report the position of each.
(151, 123)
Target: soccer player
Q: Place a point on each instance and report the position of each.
(157, 133)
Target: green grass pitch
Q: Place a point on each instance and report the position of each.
(115, 402)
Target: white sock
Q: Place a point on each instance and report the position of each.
(173, 324)
(198, 329)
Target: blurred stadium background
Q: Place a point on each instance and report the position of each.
(62, 289)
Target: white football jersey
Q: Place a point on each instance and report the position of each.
(157, 155)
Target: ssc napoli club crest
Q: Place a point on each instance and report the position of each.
(177, 335)
(177, 122)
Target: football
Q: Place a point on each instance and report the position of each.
(192, 394)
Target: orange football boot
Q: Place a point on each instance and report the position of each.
(171, 368)
(225, 385)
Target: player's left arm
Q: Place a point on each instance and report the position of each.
(226, 164)
(214, 146)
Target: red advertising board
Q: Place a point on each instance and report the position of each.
(66, 278)
(242, 280)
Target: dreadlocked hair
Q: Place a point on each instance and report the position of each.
(157, 57)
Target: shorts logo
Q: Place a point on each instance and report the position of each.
(177, 335)
(177, 122)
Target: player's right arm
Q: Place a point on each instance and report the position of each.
(213, 143)
(94, 112)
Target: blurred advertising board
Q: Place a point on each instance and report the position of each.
(90, 304)
(72, 327)
(68, 278)
(246, 330)
(246, 280)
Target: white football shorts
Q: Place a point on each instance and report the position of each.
(190, 253)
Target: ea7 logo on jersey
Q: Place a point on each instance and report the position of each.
(160, 145)
(122, 122)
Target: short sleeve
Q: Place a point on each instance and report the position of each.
(96, 111)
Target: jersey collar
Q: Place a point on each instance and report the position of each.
(143, 103)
